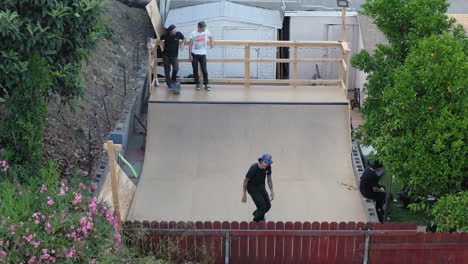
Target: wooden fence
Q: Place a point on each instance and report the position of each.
(302, 242)
(344, 61)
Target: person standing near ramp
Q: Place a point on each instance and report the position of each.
(254, 183)
(197, 53)
(171, 41)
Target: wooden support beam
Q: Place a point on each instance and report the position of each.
(279, 43)
(345, 47)
(263, 81)
(345, 66)
(110, 147)
(150, 69)
(296, 54)
(348, 69)
(247, 65)
(266, 60)
(341, 68)
(343, 24)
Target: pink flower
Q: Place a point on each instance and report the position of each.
(50, 201)
(93, 206)
(12, 227)
(77, 199)
(43, 188)
(3, 254)
(37, 222)
(71, 253)
(32, 260)
(62, 192)
(48, 228)
(35, 244)
(29, 238)
(82, 186)
(93, 260)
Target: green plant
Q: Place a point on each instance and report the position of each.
(22, 127)
(42, 44)
(62, 32)
(47, 220)
(108, 33)
(415, 112)
(450, 212)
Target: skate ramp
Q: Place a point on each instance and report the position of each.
(198, 153)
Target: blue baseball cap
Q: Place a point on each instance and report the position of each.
(267, 158)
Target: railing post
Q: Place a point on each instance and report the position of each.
(247, 65)
(348, 69)
(110, 147)
(296, 55)
(341, 72)
(150, 66)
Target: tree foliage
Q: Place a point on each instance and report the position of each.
(62, 32)
(415, 111)
(42, 45)
(22, 127)
(450, 212)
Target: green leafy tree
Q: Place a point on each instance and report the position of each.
(42, 45)
(422, 139)
(415, 110)
(62, 32)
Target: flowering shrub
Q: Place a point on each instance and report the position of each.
(48, 220)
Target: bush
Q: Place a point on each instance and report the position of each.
(63, 32)
(23, 123)
(450, 212)
(46, 220)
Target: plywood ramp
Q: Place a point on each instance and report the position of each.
(198, 155)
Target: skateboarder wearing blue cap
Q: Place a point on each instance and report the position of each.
(254, 183)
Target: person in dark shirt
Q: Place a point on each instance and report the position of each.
(254, 183)
(171, 42)
(370, 187)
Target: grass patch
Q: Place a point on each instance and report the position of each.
(399, 214)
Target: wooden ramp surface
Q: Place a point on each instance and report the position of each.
(198, 153)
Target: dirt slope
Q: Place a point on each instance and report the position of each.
(75, 133)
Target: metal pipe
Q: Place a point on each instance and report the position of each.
(227, 248)
(366, 250)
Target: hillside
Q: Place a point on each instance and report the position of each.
(75, 133)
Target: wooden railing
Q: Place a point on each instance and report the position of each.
(344, 60)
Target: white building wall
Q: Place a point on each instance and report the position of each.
(361, 77)
(319, 28)
(219, 30)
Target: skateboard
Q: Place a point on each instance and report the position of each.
(176, 88)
